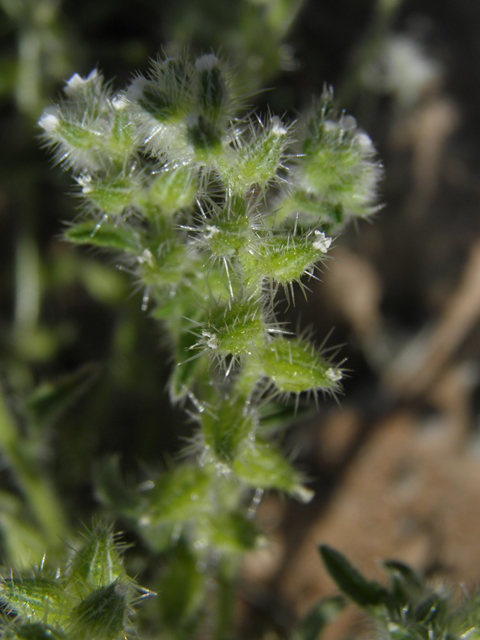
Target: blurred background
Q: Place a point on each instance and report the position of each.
(395, 462)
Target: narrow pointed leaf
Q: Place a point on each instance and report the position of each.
(51, 399)
(364, 592)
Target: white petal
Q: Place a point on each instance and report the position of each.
(207, 62)
(322, 242)
(49, 119)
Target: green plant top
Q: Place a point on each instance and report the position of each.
(212, 210)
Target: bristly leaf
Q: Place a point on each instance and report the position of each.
(102, 614)
(103, 234)
(406, 586)
(261, 465)
(231, 532)
(181, 495)
(98, 562)
(366, 593)
(92, 598)
(37, 598)
(404, 572)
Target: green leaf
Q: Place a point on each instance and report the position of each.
(430, 608)
(183, 590)
(231, 533)
(35, 598)
(294, 365)
(275, 416)
(366, 593)
(98, 562)
(104, 234)
(170, 191)
(104, 284)
(262, 466)
(403, 572)
(282, 258)
(102, 614)
(159, 537)
(255, 160)
(112, 490)
(406, 586)
(233, 328)
(23, 544)
(226, 428)
(181, 494)
(186, 371)
(51, 399)
(111, 195)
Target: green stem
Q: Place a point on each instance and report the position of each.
(226, 596)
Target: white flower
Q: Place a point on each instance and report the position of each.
(210, 339)
(277, 127)
(49, 119)
(333, 374)
(146, 257)
(135, 90)
(207, 62)
(85, 181)
(77, 82)
(322, 242)
(119, 102)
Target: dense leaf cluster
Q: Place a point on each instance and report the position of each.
(91, 597)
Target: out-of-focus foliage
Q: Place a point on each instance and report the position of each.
(408, 607)
(90, 596)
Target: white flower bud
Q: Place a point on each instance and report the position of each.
(277, 127)
(334, 374)
(119, 102)
(49, 119)
(76, 82)
(207, 62)
(322, 242)
(85, 181)
(135, 90)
